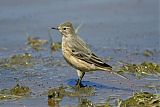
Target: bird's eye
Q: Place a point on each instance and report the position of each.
(64, 28)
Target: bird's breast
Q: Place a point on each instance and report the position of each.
(73, 61)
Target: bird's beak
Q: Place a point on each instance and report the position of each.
(54, 28)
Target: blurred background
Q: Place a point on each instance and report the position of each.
(119, 23)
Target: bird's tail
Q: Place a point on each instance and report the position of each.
(113, 72)
(109, 69)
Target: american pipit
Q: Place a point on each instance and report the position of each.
(77, 53)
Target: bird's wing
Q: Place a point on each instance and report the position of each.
(81, 51)
(90, 58)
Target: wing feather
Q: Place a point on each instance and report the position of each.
(81, 51)
(90, 58)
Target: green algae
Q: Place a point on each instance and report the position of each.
(14, 93)
(147, 53)
(20, 90)
(62, 91)
(145, 68)
(55, 46)
(139, 99)
(142, 99)
(55, 95)
(36, 43)
(85, 103)
(17, 61)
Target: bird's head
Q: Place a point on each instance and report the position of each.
(66, 29)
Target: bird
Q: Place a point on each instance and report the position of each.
(77, 53)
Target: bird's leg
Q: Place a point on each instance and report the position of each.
(80, 76)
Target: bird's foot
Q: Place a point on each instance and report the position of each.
(79, 84)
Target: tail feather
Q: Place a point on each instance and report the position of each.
(119, 75)
(109, 69)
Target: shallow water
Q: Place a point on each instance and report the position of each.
(119, 29)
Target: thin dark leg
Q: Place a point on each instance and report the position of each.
(80, 76)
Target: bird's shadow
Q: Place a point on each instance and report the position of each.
(72, 83)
